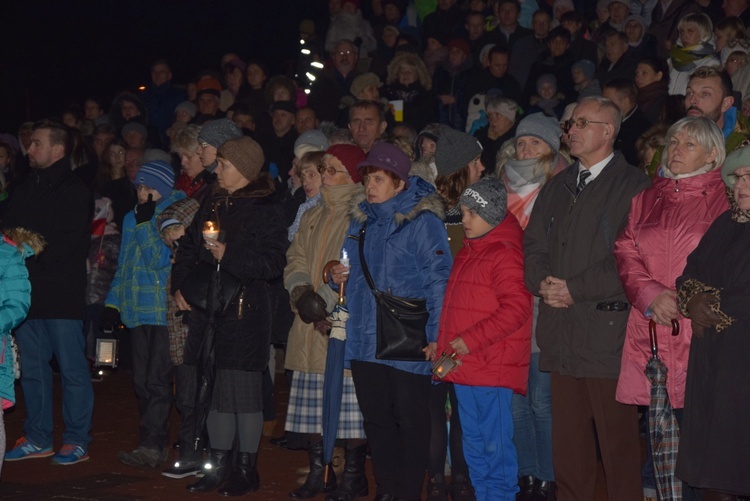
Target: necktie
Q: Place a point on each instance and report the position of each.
(582, 177)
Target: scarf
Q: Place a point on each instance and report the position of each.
(307, 204)
(523, 180)
(684, 58)
(738, 215)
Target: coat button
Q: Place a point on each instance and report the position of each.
(611, 322)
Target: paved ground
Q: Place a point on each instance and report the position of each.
(104, 478)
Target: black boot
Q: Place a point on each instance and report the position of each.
(315, 484)
(526, 484)
(436, 489)
(244, 478)
(354, 481)
(215, 472)
(461, 489)
(544, 490)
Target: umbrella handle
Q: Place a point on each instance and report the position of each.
(342, 287)
(675, 327)
(652, 337)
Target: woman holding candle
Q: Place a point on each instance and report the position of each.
(250, 245)
(319, 240)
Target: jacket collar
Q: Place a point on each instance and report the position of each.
(53, 174)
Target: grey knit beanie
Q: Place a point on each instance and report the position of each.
(218, 132)
(455, 149)
(488, 198)
(311, 140)
(540, 125)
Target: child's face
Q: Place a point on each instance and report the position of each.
(578, 75)
(428, 147)
(143, 193)
(547, 91)
(474, 225)
(173, 233)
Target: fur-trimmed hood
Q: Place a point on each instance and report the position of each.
(412, 60)
(419, 197)
(29, 243)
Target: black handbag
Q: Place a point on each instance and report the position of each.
(211, 289)
(401, 321)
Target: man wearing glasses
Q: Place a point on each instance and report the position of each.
(581, 325)
(333, 84)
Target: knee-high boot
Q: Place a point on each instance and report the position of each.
(315, 484)
(244, 478)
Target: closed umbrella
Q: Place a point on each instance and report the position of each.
(664, 432)
(333, 379)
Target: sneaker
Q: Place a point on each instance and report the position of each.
(143, 457)
(182, 469)
(26, 450)
(70, 454)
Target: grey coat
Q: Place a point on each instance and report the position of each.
(573, 238)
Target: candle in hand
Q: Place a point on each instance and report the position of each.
(210, 230)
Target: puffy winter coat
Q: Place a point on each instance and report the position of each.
(319, 240)
(256, 244)
(666, 223)
(488, 306)
(407, 253)
(139, 289)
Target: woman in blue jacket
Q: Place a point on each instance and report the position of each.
(406, 250)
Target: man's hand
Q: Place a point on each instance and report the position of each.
(555, 293)
(664, 308)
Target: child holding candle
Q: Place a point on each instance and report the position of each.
(486, 322)
(138, 296)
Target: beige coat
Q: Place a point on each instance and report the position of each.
(319, 240)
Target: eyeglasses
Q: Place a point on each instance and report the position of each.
(344, 53)
(331, 171)
(740, 177)
(580, 123)
(203, 144)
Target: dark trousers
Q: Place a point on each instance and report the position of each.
(439, 393)
(584, 410)
(394, 405)
(152, 380)
(185, 380)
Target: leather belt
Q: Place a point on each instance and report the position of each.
(613, 306)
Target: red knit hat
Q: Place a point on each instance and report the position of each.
(350, 156)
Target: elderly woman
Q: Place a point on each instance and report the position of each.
(409, 81)
(694, 48)
(252, 248)
(713, 294)
(501, 124)
(194, 179)
(318, 241)
(536, 160)
(666, 223)
(406, 252)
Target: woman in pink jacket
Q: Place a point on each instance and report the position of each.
(666, 223)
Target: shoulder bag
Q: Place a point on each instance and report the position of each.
(401, 321)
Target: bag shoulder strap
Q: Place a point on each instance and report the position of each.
(365, 269)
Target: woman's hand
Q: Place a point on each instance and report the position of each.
(664, 308)
(459, 346)
(701, 314)
(339, 274)
(215, 247)
(182, 305)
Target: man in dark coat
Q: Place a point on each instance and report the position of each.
(494, 77)
(161, 98)
(334, 83)
(55, 203)
(583, 313)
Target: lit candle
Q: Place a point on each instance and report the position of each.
(210, 230)
(345, 260)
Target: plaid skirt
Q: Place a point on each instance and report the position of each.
(305, 411)
(237, 391)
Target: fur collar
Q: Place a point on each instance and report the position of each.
(431, 203)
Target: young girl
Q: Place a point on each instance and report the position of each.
(486, 323)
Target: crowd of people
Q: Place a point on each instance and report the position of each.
(558, 190)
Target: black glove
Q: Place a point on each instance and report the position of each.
(145, 211)
(109, 319)
(311, 307)
(701, 314)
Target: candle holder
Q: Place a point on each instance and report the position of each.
(211, 230)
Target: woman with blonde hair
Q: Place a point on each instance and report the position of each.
(694, 48)
(409, 81)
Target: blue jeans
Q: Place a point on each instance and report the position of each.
(38, 340)
(488, 441)
(532, 422)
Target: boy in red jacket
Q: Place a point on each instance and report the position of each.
(486, 322)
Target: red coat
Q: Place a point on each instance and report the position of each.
(666, 223)
(487, 304)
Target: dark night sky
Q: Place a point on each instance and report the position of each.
(57, 51)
